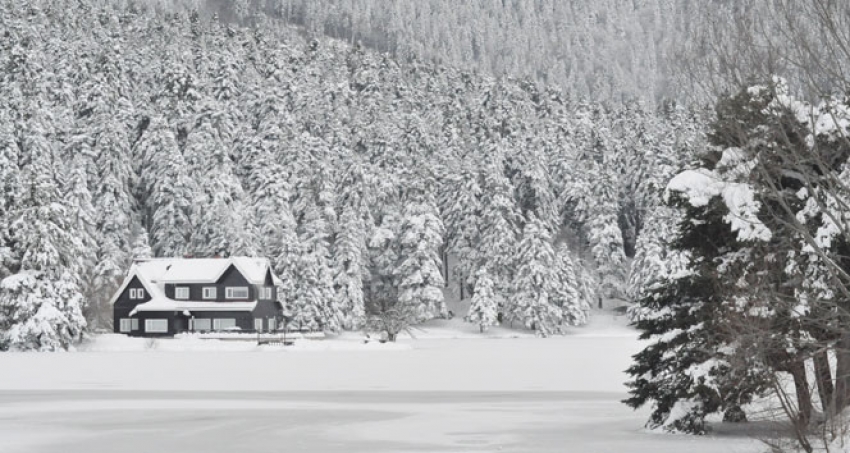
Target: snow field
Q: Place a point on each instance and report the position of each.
(446, 391)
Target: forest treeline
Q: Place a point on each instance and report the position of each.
(130, 130)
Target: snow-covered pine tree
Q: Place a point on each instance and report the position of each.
(169, 190)
(420, 281)
(460, 208)
(383, 258)
(484, 308)
(348, 251)
(10, 189)
(141, 246)
(566, 292)
(223, 223)
(604, 234)
(82, 217)
(531, 300)
(655, 262)
(500, 220)
(720, 328)
(314, 304)
(41, 303)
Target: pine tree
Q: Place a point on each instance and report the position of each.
(500, 219)
(566, 292)
(420, 281)
(224, 225)
(141, 246)
(483, 309)
(531, 301)
(41, 304)
(313, 301)
(170, 191)
(655, 262)
(348, 268)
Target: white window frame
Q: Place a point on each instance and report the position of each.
(258, 324)
(206, 324)
(125, 325)
(217, 323)
(181, 289)
(266, 292)
(140, 293)
(209, 292)
(272, 324)
(230, 290)
(156, 325)
(133, 293)
(134, 323)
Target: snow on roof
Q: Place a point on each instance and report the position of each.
(209, 270)
(196, 270)
(165, 304)
(155, 272)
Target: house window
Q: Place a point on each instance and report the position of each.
(266, 292)
(156, 325)
(137, 293)
(132, 293)
(134, 324)
(258, 324)
(181, 292)
(223, 324)
(272, 325)
(126, 325)
(201, 324)
(209, 292)
(236, 292)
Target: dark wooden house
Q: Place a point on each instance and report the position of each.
(165, 296)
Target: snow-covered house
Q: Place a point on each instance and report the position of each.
(165, 296)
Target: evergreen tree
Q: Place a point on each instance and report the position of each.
(483, 309)
(313, 300)
(532, 296)
(170, 191)
(348, 268)
(420, 281)
(141, 247)
(566, 292)
(41, 303)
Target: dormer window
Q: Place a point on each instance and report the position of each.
(236, 292)
(181, 292)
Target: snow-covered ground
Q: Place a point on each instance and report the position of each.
(448, 390)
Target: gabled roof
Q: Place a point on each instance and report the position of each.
(153, 273)
(210, 270)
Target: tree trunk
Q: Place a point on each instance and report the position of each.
(445, 256)
(823, 375)
(842, 373)
(460, 283)
(804, 395)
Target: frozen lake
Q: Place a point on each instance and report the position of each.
(448, 391)
(370, 421)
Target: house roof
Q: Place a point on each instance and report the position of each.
(153, 273)
(210, 270)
